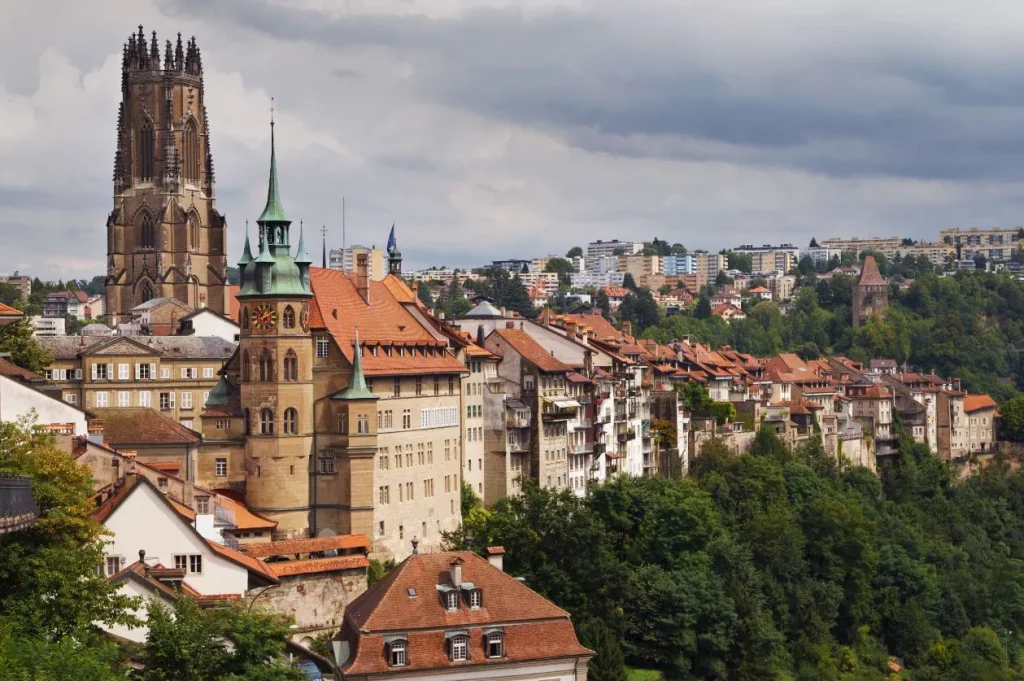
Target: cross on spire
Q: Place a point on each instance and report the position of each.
(271, 110)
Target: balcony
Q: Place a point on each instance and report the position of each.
(626, 436)
(519, 447)
(518, 421)
(582, 448)
(582, 424)
(223, 516)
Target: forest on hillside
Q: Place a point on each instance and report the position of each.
(780, 565)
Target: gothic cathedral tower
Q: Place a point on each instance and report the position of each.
(164, 234)
(275, 352)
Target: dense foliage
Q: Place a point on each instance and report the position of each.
(969, 325)
(780, 565)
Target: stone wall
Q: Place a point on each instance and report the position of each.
(315, 601)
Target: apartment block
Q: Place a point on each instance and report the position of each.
(993, 244)
(601, 249)
(344, 259)
(887, 246)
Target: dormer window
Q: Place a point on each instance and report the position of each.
(451, 600)
(396, 651)
(458, 648)
(494, 643)
(475, 598)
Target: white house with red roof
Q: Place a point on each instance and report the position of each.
(457, 616)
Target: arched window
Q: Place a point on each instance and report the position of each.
(458, 648)
(246, 367)
(288, 318)
(291, 366)
(248, 423)
(266, 367)
(145, 292)
(146, 144)
(291, 421)
(243, 318)
(147, 233)
(191, 152)
(266, 422)
(193, 232)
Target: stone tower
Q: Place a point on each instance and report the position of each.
(164, 234)
(870, 293)
(276, 358)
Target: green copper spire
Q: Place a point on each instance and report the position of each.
(221, 393)
(247, 251)
(357, 389)
(265, 255)
(301, 257)
(273, 212)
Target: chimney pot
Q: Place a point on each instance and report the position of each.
(467, 543)
(415, 545)
(496, 557)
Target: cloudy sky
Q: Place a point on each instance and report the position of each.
(502, 128)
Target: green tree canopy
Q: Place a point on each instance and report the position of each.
(18, 340)
(574, 252)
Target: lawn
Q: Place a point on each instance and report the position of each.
(634, 674)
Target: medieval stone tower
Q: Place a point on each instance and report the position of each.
(164, 234)
(870, 293)
(276, 379)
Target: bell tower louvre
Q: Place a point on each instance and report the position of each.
(165, 237)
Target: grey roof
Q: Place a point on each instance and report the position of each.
(154, 302)
(170, 347)
(484, 309)
(96, 330)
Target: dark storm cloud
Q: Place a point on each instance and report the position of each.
(898, 109)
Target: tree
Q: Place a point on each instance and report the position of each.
(470, 500)
(1012, 419)
(628, 282)
(740, 261)
(563, 267)
(423, 293)
(722, 279)
(17, 339)
(677, 249)
(609, 664)
(980, 261)
(814, 243)
(619, 251)
(574, 252)
(189, 644)
(10, 295)
(703, 308)
(603, 304)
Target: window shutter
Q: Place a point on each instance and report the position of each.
(137, 369)
(94, 372)
(172, 399)
(78, 374)
(110, 372)
(152, 371)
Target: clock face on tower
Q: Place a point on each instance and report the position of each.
(263, 318)
(304, 317)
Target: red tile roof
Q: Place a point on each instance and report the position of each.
(183, 510)
(243, 518)
(290, 568)
(407, 601)
(300, 546)
(142, 426)
(165, 466)
(8, 311)
(523, 343)
(111, 503)
(12, 370)
(869, 274)
(243, 560)
(338, 308)
(978, 402)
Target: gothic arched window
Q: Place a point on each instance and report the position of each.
(145, 293)
(266, 422)
(246, 369)
(291, 421)
(146, 144)
(288, 318)
(193, 232)
(147, 232)
(191, 152)
(266, 367)
(291, 366)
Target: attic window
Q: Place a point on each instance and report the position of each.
(475, 598)
(459, 648)
(451, 600)
(495, 644)
(396, 651)
(411, 591)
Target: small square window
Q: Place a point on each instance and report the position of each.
(452, 600)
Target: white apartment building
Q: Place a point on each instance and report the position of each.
(600, 249)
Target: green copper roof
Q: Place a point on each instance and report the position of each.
(357, 389)
(273, 212)
(220, 393)
(247, 251)
(264, 255)
(301, 256)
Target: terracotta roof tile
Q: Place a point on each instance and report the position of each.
(243, 518)
(8, 311)
(243, 560)
(338, 308)
(111, 503)
(978, 402)
(523, 343)
(387, 606)
(183, 510)
(165, 466)
(124, 426)
(304, 567)
(545, 640)
(12, 370)
(869, 274)
(299, 546)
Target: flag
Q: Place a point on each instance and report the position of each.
(392, 243)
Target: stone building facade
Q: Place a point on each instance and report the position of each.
(870, 293)
(165, 237)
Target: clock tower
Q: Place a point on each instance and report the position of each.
(276, 361)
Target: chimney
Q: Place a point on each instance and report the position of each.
(142, 559)
(570, 330)
(627, 328)
(510, 325)
(467, 543)
(415, 545)
(456, 572)
(129, 473)
(363, 276)
(480, 335)
(496, 557)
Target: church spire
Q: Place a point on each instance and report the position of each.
(247, 250)
(273, 212)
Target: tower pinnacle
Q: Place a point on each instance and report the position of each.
(273, 212)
